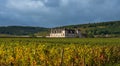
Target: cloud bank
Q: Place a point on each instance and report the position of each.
(51, 13)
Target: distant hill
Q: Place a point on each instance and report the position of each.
(100, 29)
(20, 30)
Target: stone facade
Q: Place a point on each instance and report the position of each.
(65, 33)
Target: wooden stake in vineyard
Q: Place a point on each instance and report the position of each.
(62, 56)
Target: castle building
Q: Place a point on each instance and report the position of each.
(65, 33)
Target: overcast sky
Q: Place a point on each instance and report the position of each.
(51, 13)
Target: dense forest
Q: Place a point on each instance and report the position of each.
(99, 29)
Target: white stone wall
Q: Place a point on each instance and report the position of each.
(57, 35)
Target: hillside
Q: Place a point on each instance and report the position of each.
(101, 29)
(20, 30)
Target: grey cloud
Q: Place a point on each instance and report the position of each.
(50, 13)
(53, 3)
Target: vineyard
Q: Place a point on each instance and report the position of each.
(59, 51)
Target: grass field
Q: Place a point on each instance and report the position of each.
(59, 51)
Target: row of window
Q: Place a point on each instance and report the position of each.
(57, 34)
